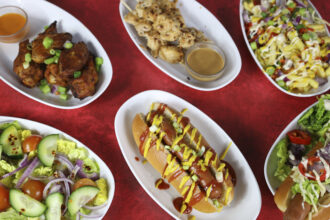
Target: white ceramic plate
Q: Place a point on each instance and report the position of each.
(43, 130)
(246, 189)
(271, 159)
(312, 92)
(197, 16)
(42, 13)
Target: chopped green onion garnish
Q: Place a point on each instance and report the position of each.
(64, 96)
(28, 57)
(299, 26)
(270, 22)
(175, 125)
(98, 63)
(273, 9)
(49, 60)
(292, 5)
(46, 27)
(29, 47)
(56, 59)
(194, 178)
(179, 130)
(285, 11)
(201, 152)
(77, 74)
(185, 167)
(26, 65)
(264, 14)
(270, 70)
(52, 52)
(47, 42)
(302, 11)
(284, 18)
(176, 148)
(281, 83)
(58, 53)
(61, 90)
(68, 45)
(253, 45)
(216, 203)
(305, 36)
(43, 82)
(167, 147)
(45, 88)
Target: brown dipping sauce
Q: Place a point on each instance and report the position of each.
(162, 185)
(178, 202)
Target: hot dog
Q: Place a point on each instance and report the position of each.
(178, 151)
(296, 207)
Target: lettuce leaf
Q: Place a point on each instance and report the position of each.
(310, 191)
(283, 170)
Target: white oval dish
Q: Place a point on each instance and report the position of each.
(312, 92)
(43, 130)
(195, 15)
(42, 13)
(246, 189)
(271, 159)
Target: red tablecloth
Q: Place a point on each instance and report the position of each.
(250, 109)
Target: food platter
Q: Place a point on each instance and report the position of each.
(270, 162)
(313, 92)
(247, 188)
(46, 130)
(42, 13)
(195, 15)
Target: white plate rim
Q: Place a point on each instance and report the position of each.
(260, 67)
(190, 106)
(293, 124)
(107, 172)
(233, 77)
(106, 59)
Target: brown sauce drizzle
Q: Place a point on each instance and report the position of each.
(163, 185)
(178, 202)
(175, 175)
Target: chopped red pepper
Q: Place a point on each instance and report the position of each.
(311, 176)
(299, 137)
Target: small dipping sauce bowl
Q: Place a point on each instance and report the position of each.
(205, 61)
(14, 24)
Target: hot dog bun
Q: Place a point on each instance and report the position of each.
(152, 146)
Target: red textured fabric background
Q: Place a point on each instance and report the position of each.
(250, 109)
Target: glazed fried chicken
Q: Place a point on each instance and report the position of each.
(39, 52)
(73, 59)
(85, 85)
(52, 75)
(31, 75)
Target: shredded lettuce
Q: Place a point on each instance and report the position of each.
(11, 214)
(283, 170)
(316, 119)
(309, 189)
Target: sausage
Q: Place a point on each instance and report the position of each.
(297, 209)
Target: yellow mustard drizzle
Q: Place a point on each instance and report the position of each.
(226, 151)
(193, 133)
(162, 134)
(222, 165)
(227, 173)
(199, 142)
(208, 192)
(208, 156)
(201, 164)
(147, 146)
(183, 181)
(192, 217)
(184, 190)
(180, 137)
(220, 209)
(183, 207)
(190, 193)
(173, 116)
(158, 183)
(151, 107)
(171, 168)
(229, 189)
(186, 129)
(186, 153)
(144, 161)
(179, 119)
(190, 161)
(183, 111)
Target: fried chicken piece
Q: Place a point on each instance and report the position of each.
(131, 18)
(154, 42)
(168, 28)
(85, 85)
(148, 12)
(73, 59)
(187, 38)
(39, 52)
(30, 76)
(171, 54)
(52, 75)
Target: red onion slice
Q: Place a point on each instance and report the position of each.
(15, 171)
(66, 192)
(89, 216)
(65, 180)
(63, 159)
(28, 171)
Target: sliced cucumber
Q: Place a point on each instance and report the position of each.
(25, 205)
(80, 197)
(47, 149)
(54, 204)
(11, 142)
(0, 150)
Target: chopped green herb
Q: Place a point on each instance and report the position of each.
(62, 90)
(68, 45)
(98, 63)
(302, 11)
(253, 45)
(305, 36)
(46, 27)
(273, 9)
(52, 52)
(26, 65)
(49, 60)
(281, 83)
(291, 5)
(270, 70)
(285, 11)
(43, 82)
(194, 178)
(264, 14)
(47, 42)
(299, 26)
(64, 96)
(270, 22)
(284, 18)
(45, 88)
(56, 59)
(28, 57)
(77, 74)
(58, 53)
(185, 167)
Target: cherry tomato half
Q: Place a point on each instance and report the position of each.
(4, 198)
(83, 182)
(34, 188)
(30, 143)
(299, 137)
(309, 174)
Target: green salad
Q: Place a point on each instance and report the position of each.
(47, 177)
